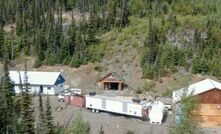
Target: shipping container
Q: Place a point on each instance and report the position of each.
(77, 100)
(67, 99)
(117, 105)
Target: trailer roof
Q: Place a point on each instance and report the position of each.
(116, 99)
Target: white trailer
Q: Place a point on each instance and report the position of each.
(116, 105)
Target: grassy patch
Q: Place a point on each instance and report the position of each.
(98, 67)
(148, 86)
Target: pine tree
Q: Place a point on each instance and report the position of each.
(1, 40)
(112, 11)
(151, 43)
(79, 126)
(40, 42)
(19, 15)
(40, 127)
(27, 119)
(91, 29)
(186, 122)
(124, 13)
(49, 126)
(8, 121)
(72, 38)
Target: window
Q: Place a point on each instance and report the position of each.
(49, 88)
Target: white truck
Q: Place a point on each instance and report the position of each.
(117, 105)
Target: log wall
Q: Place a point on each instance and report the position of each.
(209, 115)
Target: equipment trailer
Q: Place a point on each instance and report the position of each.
(117, 105)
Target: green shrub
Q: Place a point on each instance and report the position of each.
(138, 91)
(37, 63)
(80, 126)
(167, 93)
(98, 67)
(148, 86)
(199, 65)
(130, 132)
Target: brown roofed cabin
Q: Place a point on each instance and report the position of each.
(111, 82)
(208, 93)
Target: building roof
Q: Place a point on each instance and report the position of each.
(35, 77)
(112, 79)
(196, 88)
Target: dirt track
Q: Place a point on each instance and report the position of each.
(112, 124)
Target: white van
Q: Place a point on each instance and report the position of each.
(76, 91)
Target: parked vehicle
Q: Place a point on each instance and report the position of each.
(68, 92)
(61, 97)
(63, 94)
(76, 91)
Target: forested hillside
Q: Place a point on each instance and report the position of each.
(144, 39)
(172, 33)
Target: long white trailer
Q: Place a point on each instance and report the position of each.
(116, 105)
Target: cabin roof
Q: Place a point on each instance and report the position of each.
(36, 78)
(196, 88)
(114, 74)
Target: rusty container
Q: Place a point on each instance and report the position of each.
(67, 99)
(77, 100)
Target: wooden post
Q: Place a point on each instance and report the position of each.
(104, 85)
(119, 86)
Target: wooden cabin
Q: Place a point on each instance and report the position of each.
(111, 81)
(208, 93)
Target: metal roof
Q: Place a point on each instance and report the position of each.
(35, 77)
(196, 88)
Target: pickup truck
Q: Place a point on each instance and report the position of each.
(69, 92)
(62, 94)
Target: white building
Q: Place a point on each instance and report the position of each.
(49, 83)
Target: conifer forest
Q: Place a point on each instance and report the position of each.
(172, 34)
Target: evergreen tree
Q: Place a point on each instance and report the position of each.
(1, 40)
(40, 126)
(49, 122)
(8, 120)
(40, 42)
(72, 38)
(124, 13)
(27, 119)
(91, 29)
(79, 126)
(186, 122)
(111, 9)
(152, 39)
